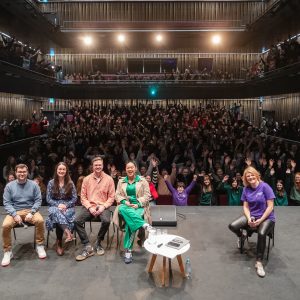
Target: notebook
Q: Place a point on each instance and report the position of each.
(177, 243)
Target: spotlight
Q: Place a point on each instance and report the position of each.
(121, 38)
(87, 40)
(216, 39)
(159, 38)
(153, 91)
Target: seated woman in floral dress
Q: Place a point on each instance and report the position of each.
(61, 198)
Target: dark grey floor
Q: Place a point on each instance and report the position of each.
(219, 271)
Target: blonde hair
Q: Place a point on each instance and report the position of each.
(296, 185)
(250, 170)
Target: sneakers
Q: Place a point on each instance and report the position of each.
(6, 258)
(260, 269)
(128, 257)
(99, 249)
(87, 251)
(241, 240)
(41, 251)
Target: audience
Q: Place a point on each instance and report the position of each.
(212, 141)
(23, 55)
(278, 56)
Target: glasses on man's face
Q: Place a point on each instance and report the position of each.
(21, 172)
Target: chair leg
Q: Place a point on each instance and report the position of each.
(241, 244)
(14, 233)
(48, 235)
(269, 242)
(34, 237)
(113, 235)
(75, 237)
(107, 238)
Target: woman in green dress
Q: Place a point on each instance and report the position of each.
(207, 195)
(133, 196)
(280, 194)
(233, 190)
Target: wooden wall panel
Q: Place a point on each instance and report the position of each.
(155, 11)
(286, 106)
(17, 107)
(234, 63)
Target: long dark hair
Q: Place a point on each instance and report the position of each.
(68, 184)
(280, 193)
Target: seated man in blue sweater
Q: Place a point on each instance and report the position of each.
(22, 200)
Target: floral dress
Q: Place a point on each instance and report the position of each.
(56, 216)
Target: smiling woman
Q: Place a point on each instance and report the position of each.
(133, 196)
(258, 198)
(61, 197)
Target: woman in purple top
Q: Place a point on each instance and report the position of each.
(180, 195)
(258, 203)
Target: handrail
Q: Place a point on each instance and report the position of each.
(6, 145)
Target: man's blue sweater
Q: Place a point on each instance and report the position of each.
(18, 196)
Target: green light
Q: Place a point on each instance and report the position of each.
(153, 91)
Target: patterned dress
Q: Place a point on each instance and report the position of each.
(56, 216)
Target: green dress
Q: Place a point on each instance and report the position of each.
(206, 198)
(281, 200)
(133, 217)
(233, 195)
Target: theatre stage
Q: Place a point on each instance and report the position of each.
(219, 271)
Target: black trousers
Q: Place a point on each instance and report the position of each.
(262, 231)
(84, 215)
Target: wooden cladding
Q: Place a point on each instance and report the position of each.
(155, 11)
(234, 63)
(17, 107)
(286, 107)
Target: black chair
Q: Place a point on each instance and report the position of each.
(25, 225)
(250, 231)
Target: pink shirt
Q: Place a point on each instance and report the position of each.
(97, 191)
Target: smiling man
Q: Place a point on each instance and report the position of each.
(97, 195)
(22, 200)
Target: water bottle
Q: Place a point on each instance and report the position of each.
(188, 269)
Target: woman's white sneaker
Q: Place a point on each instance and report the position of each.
(6, 258)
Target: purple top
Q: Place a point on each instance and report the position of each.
(257, 199)
(180, 199)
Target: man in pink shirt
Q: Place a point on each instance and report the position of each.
(97, 195)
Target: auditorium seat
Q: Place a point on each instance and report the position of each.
(193, 200)
(164, 200)
(223, 199)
